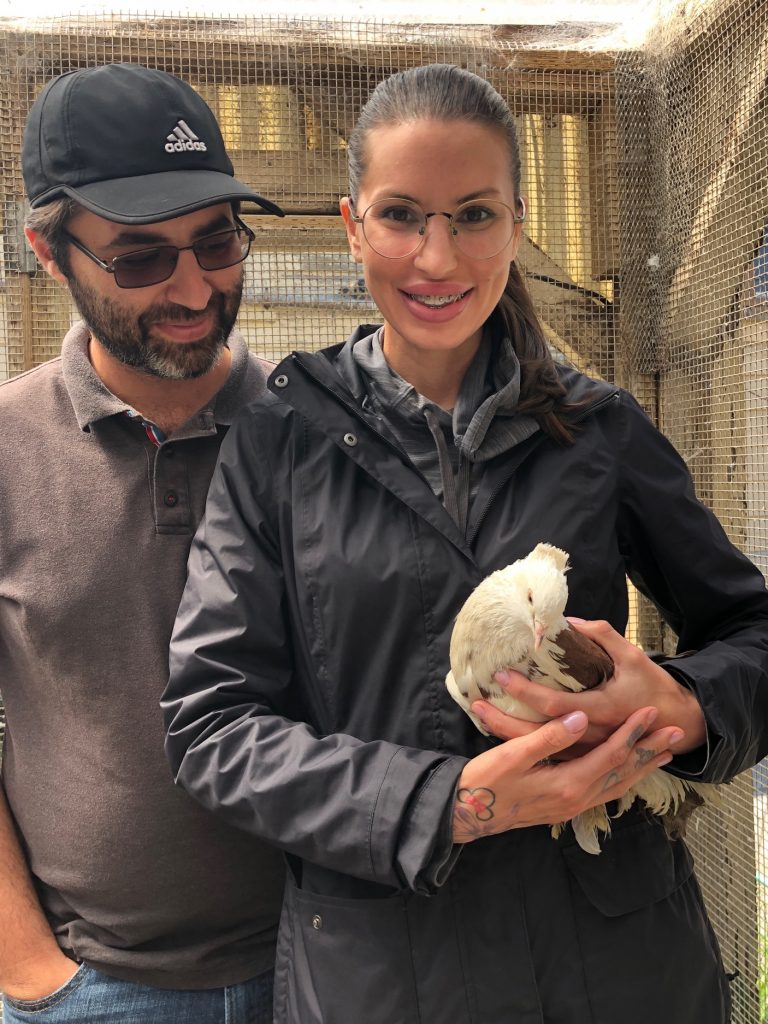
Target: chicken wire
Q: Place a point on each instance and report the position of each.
(694, 258)
(644, 248)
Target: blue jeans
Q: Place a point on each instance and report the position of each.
(90, 997)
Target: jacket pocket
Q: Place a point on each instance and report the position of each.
(642, 929)
(342, 960)
(638, 866)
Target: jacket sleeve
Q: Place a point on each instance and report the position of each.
(233, 708)
(713, 597)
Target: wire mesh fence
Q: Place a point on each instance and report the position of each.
(694, 257)
(645, 249)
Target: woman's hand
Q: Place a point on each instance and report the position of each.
(636, 682)
(515, 785)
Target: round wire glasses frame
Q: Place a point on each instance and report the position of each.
(481, 228)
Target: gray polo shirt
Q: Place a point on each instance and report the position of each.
(135, 877)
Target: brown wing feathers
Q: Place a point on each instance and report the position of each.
(582, 658)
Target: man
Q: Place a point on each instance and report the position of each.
(120, 898)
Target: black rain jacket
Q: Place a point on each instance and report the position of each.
(307, 704)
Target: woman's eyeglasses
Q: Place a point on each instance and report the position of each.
(481, 228)
(156, 264)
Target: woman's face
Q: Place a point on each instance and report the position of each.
(438, 165)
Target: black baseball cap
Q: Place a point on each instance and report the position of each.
(132, 144)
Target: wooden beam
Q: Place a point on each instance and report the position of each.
(249, 51)
(532, 56)
(641, 229)
(297, 233)
(571, 354)
(603, 212)
(582, 317)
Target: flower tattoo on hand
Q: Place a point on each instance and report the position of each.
(480, 800)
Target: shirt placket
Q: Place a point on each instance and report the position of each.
(171, 489)
(170, 472)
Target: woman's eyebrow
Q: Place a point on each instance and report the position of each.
(479, 193)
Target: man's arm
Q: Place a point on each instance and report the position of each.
(31, 963)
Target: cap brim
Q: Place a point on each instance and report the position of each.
(147, 198)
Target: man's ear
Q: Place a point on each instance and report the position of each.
(352, 232)
(42, 250)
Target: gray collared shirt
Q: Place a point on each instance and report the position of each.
(135, 877)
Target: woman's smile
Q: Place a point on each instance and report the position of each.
(437, 304)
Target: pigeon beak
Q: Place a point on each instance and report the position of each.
(538, 633)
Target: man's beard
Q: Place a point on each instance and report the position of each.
(129, 339)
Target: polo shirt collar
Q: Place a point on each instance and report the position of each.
(93, 401)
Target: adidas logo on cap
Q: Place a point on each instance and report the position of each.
(182, 138)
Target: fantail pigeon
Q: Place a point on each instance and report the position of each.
(514, 620)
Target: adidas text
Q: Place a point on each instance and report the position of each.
(182, 138)
(180, 147)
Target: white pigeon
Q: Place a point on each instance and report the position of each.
(514, 620)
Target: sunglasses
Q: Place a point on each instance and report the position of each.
(154, 265)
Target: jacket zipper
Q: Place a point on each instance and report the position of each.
(613, 397)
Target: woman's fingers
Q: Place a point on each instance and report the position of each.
(549, 739)
(630, 754)
(548, 702)
(637, 680)
(500, 724)
(526, 780)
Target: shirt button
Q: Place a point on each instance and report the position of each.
(171, 499)
(350, 439)
(281, 381)
(317, 922)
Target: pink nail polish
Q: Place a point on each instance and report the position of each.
(575, 722)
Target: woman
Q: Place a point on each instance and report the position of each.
(351, 514)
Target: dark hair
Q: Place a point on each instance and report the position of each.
(443, 92)
(50, 222)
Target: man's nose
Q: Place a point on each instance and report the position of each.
(189, 285)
